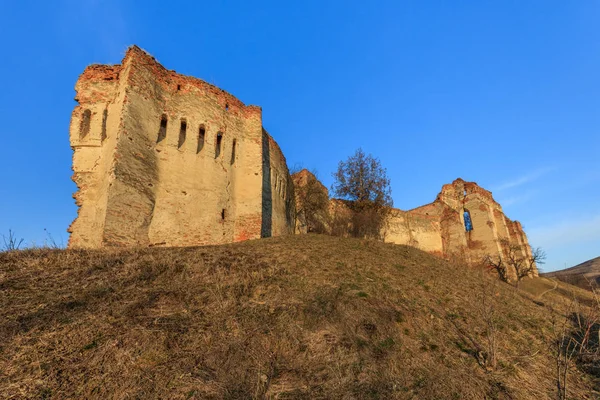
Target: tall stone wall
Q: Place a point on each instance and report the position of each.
(171, 160)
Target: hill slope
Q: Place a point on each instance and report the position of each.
(585, 275)
(302, 317)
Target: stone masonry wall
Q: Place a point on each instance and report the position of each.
(440, 228)
(171, 160)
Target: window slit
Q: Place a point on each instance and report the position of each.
(233, 152)
(182, 133)
(201, 134)
(104, 118)
(162, 132)
(84, 128)
(218, 144)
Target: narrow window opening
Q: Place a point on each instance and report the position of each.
(178, 88)
(233, 152)
(468, 222)
(84, 128)
(182, 133)
(104, 118)
(218, 144)
(223, 215)
(465, 192)
(226, 107)
(162, 131)
(201, 134)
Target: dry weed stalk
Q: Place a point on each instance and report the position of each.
(575, 340)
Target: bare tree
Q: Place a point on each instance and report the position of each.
(499, 265)
(526, 266)
(364, 183)
(517, 259)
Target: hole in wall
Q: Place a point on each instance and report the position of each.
(104, 118)
(84, 127)
(226, 107)
(178, 88)
(201, 134)
(218, 144)
(468, 221)
(162, 131)
(233, 152)
(223, 214)
(182, 133)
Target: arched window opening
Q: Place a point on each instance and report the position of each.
(218, 144)
(233, 152)
(182, 133)
(468, 221)
(201, 134)
(84, 127)
(162, 131)
(104, 118)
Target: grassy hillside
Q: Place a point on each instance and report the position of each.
(585, 275)
(302, 317)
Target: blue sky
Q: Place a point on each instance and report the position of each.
(505, 93)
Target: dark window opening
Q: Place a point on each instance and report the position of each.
(182, 133)
(223, 214)
(178, 88)
(162, 132)
(468, 222)
(233, 152)
(201, 134)
(104, 118)
(218, 144)
(84, 128)
(226, 107)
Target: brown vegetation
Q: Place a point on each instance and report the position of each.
(301, 317)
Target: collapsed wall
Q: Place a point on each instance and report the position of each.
(464, 221)
(166, 159)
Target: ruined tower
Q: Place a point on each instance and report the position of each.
(166, 159)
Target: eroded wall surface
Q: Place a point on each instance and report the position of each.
(171, 160)
(440, 227)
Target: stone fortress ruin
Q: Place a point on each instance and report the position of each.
(163, 159)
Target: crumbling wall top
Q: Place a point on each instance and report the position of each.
(171, 81)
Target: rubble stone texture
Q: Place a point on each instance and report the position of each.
(166, 159)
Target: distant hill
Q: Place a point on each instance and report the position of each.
(297, 317)
(585, 275)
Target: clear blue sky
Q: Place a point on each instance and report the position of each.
(504, 93)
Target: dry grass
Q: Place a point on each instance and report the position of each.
(303, 317)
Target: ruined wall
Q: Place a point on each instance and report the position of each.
(440, 227)
(181, 163)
